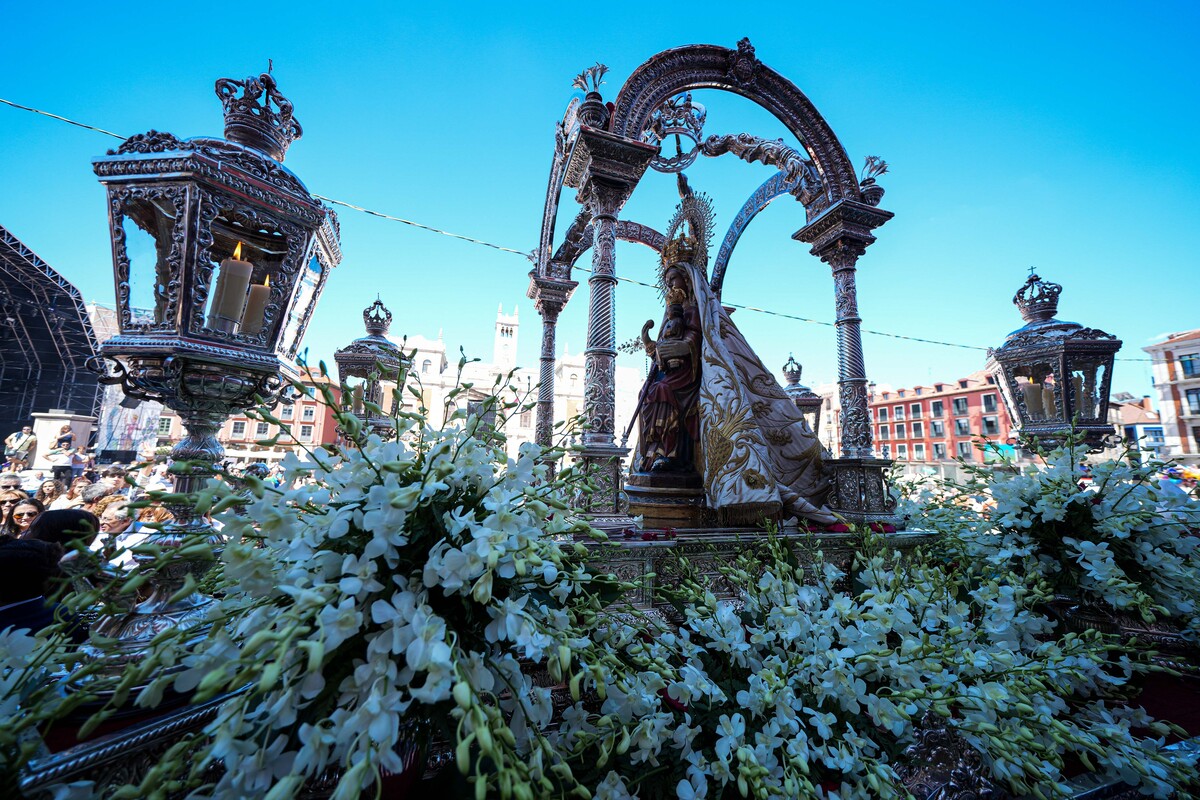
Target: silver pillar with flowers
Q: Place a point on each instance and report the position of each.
(219, 256)
(1054, 375)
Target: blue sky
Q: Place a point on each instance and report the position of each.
(1056, 135)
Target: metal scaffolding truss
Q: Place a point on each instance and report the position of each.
(46, 339)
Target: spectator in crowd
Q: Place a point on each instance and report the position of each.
(80, 461)
(19, 448)
(116, 477)
(72, 497)
(66, 527)
(28, 569)
(31, 480)
(92, 495)
(49, 491)
(106, 501)
(8, 499)
(10, 481)
(118, 531)
(59, 454)
(154, 514)
(21, 515)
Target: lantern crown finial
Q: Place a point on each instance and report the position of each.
(377, 318)
(259, 117)
(792, 370)
(1037, 300)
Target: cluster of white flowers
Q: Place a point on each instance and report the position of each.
(393, 582)
(1117, 540)
(807, 690)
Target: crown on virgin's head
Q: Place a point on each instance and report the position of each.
(680, 249)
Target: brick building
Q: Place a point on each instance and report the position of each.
(1176, 371)
(925, 428)
(311, 423)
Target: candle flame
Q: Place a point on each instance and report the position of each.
(267, 281)
(237, 252)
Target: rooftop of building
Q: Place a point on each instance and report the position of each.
(1173, 339)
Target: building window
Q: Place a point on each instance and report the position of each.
(1190, 364)
(989, 404)
(306, 433)
(962, 427)
(239, 430)
(962, 384)
(915, 408)
(918, 391)
(426, 366)
(285, 412)
(960, 406)
(1193, 401)
(883, 417)
(261, 429)
(918, 452)
(939, 452)
(901, 451)
(526, 419)
(991, 426)
(918, 430)
(164, 426)
(883, 433)
(937, 408)
(898, 413)
(308, 414)
(965, 451)
(937, 429)
(1195, 435)
(900, 430)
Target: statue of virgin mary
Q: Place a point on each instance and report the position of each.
(711, 406)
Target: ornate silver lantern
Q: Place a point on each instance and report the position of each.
(219, 256)
(1055, 376)
(366, 366)
(805, 399)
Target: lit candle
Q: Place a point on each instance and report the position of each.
(1033, 399)
(256, 307)
(229, 297)
(1048, 401)
(358, 399)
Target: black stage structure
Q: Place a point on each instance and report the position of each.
(46, 339)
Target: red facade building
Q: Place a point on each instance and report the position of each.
(935, 424)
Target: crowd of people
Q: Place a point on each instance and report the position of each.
(38, 528)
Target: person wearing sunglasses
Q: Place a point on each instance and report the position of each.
(20, 516)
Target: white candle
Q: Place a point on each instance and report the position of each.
(256, 307)
(358, 399)
(1083, 405)
(1033, 399)
(230, 295)
(1048, 401)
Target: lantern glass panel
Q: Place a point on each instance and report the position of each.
(1036, 386)
(1087, 382)
(148, 226)
(234, 305)
(310, 278)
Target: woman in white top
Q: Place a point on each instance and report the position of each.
(73, 497)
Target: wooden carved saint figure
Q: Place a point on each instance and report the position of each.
(668, 407)
(710, 412)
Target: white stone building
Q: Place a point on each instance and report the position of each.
(435, 374)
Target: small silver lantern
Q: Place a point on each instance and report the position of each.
(808, 401)
(365, 368)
